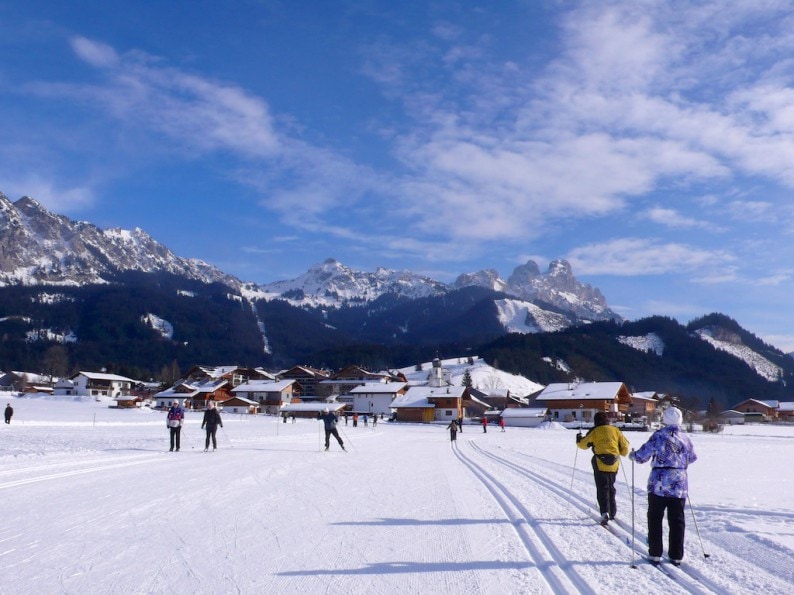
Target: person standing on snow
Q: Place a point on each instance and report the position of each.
(329, 420)
(212, 419)
(174, 424)
(502, 423)
(453, 430)
(608, 444)
(9, 413)
(668, 487)
(484, 424)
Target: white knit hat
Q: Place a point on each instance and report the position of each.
(672, 416)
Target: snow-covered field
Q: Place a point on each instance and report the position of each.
(93, 503)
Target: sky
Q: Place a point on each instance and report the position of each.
(651, 144)
(94, 503)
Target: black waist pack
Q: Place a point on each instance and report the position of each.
(608, 459)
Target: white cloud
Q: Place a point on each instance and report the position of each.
(633, 256)
(95, 53)
(54, 198)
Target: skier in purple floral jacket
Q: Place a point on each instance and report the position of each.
(672, 452)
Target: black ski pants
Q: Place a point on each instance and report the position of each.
(175, 432)
(211, 431)
(335, 432)
(605, 490)
(676, 522)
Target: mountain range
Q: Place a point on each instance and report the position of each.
(74, 296)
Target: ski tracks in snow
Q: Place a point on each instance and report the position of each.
(540, 537)
(692, 577)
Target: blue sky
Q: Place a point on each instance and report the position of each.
(649, 143)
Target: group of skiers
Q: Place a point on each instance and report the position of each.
(211, 421)
(671, 452)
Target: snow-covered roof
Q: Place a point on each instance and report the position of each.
(378, 388)
(647, 395)
(263, 386)
(514, 412)
(409, 400)
(312, 407)
(785, 406)
(103, 376)
(243, 399)
(562, 391)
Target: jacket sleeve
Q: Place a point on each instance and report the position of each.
(623, 445)
(586, 441)
(644, 453)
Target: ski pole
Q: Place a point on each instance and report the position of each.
(227, 438)
(347, 440)
(633, 565)
(573, 473)
(697, 530)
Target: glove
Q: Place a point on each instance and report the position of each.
(631, 454)
(578, 437)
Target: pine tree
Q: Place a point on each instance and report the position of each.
(467, 381)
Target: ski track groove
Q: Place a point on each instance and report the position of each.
(548, 560)
(692, 579)
(29, 480)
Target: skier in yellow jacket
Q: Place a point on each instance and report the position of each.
(608, 444)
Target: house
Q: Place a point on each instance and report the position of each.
(731, 417)
(208, 383)
(644, 406)
(785, 411)
(376, 398)
(430, 403)
(240, 405)
(312, 409)
(127, 402)
(100, 384)
(348, 378)
(26, 382)
(524, 417)
(269, 395)
(579, 402)
(308, 380)
(757, 410)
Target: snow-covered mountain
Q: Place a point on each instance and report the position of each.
(543, 302)
(39, 247)
(557, 287)
(331, 283)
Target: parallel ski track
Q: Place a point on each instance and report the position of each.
(689, 578)
(541, 550)
(125, 462)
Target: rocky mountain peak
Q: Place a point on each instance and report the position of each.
(37, 246)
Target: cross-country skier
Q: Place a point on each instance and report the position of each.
(212, 419)
(608, 444)
(330, 419)
(174, 424)
(672, 452)
(453, 430)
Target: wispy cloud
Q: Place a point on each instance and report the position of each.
(638, 257)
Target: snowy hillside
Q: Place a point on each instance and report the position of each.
(525, 317)
(651, 343)
(484, 377)
(756, 361)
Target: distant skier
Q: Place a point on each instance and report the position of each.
(453, 430)
(668, 487)
(484, 424)
(502, 423)
(608, 443)
(9, 413)
(174, 424)
(212, 419)
(330, 420)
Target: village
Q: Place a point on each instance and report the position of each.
(416, 395)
